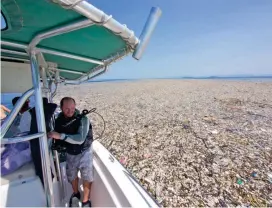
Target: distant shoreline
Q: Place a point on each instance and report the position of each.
(245, 78)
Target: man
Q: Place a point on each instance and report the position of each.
(25, 116)
(14, 156)
(76, 133)
(22, 121)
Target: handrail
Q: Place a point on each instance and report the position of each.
(47, 177)
(55, 152)
(8, 121)
(21, 139)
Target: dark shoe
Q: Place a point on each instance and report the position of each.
(73, 198)
(87, 204)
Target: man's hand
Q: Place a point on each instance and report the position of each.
(3, 111)
(54, 135)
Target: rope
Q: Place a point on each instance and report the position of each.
(104, 126)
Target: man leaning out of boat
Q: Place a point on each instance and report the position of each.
(75, 133)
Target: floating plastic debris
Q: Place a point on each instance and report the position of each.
(269, 177)
(239, 181)
(148, 155)
(123, 160)
(202, 167)
(254, 174)
(214, 132)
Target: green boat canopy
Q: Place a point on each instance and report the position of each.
(25, 19)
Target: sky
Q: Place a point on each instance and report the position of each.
(196, 38)
(3, 22)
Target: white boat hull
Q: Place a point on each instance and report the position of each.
(113, 186)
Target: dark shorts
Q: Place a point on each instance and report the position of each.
(82, 162)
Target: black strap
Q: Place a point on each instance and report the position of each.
(80, 116)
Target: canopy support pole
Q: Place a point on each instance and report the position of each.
(67, 71)
(59, 31)
(71, 56)
(13, 52)
(47, 177)
(43, 68)
(88, 76)
(46, 90)
(56, 81)
(86, 9)
(99, 69)
(47, 51)
(16, 59)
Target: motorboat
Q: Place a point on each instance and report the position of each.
(47, 43)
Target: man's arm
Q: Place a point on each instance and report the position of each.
(5, 108)
(80, 136)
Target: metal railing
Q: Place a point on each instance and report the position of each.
(44, 151)
(21, 138)
(10, 118)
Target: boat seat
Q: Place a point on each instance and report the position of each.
(24, 172)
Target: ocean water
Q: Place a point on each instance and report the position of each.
(6, 99)
(250, 79)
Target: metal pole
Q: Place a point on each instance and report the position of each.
(47, 177)
(71, 56)
(45, 83)
(99, 69)
(56, 155)
(8, 121)
(17, 59)
(57, 79)
(20, 139)
(87, 77)
(60, 30)
(53, 52)
(14, 45)
(149, 27)
(67, 71)
(13, 52)
(97, 16)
